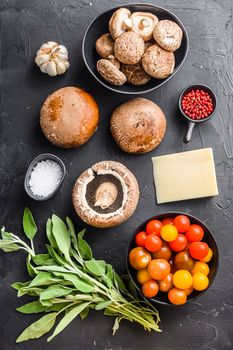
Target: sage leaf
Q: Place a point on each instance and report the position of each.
(72, 233)
(84, 248)
(57, 307)
(96, 267)
(6, 235)
(109, 278)
(56, 256)
(44, 279)
(69, 317)
(61, 235)
(31, 269)
(83, 314)
(43, 259)
(38, 328)
(55, 291)
(103, 305)
(119, 283)
(116, 325)
(29, 225)
(79, 283)
(19, 285)
(49, 233)
(7, 246)
(33, 307)
(33, 291)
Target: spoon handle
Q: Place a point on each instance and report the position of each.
(188, 134)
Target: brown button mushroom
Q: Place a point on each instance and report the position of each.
(135, 74)
(105, 45)
(143, 24)
(120, 22)
(69, 117)
(138, 126)
(168, 35)
(106, 194)
(110, 72)
(129, 48)
(158, 62)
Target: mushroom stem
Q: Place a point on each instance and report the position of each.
(145, 23)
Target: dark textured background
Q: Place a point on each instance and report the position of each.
(25, 25)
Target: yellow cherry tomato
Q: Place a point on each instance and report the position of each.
(200, 281)
(143, 276)
(208, 256)
(169, 233)
(200, 267)
(182, 279)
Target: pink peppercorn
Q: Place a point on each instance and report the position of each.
(197, 104)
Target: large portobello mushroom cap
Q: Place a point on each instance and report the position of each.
(106, 194)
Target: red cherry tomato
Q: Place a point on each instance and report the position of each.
(140, 239)
(166, 284)
(154, 227)
(153, 243)
(179, 243)
(158, 269)
(195, 233)
(177, 296)
(150, 289)
(168, 221)
(182, 223)
(198, 250)
(139, 258)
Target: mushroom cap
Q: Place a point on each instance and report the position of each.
(138, 125)
(158, 62)
(144, 23)
(129, 47)
(120, 22)
(69, 117)
(106, 194)
(135, 74)
(168, 35)
(114, 61)
(105, 45)
(110, 72)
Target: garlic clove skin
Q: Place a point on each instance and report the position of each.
(60, 66)
(40, 59)
(51, 68)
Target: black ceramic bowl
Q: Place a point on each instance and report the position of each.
(161, 298)
(99, 26)
(192, 122)
(36, 160)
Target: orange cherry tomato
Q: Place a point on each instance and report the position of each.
(201, 267)
(208, 256)
(177, 296)
(195, 233)
(153, 243)
(150, 289)
(166, 284)
(188, 291)
(179, 243)
(182, 223)
(167, 221)
(143, 276)
(198, 250)
(183, 261)
(139, 258)
(154, 227)
(159, 269)
(140, 239)
(164, 252)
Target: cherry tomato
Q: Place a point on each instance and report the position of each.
(168, 221)
(140, 239)
(139, 258)
(177, 296)
(195, 233)
(188, 291)
(154, 227)
(150, 289)
(183, 261)
(172, 266)
(198, 250)
(143, 276)
(153, 243)
(201, 267)
(208, 256)
(200, 281)
(179, 243)
(164, 252)
(158, 269)
(182, 223)
(166, 284)
(169, 232)
(182, 279)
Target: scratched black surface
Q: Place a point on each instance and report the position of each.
(25, 25)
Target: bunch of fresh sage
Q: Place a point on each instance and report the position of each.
(68, 281)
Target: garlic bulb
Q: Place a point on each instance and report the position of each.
(52, 59)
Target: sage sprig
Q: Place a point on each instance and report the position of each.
(67, 280)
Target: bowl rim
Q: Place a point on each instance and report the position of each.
(196, 86)
(37, 159)
(156, 217)
(146, 90)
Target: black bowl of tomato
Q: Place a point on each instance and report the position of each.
(172, 265)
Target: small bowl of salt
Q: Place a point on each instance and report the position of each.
(44, 176)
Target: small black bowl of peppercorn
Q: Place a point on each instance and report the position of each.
(197, 103)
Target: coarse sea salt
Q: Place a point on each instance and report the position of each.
(45, 177)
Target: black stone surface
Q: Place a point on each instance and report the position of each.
(24, 26)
